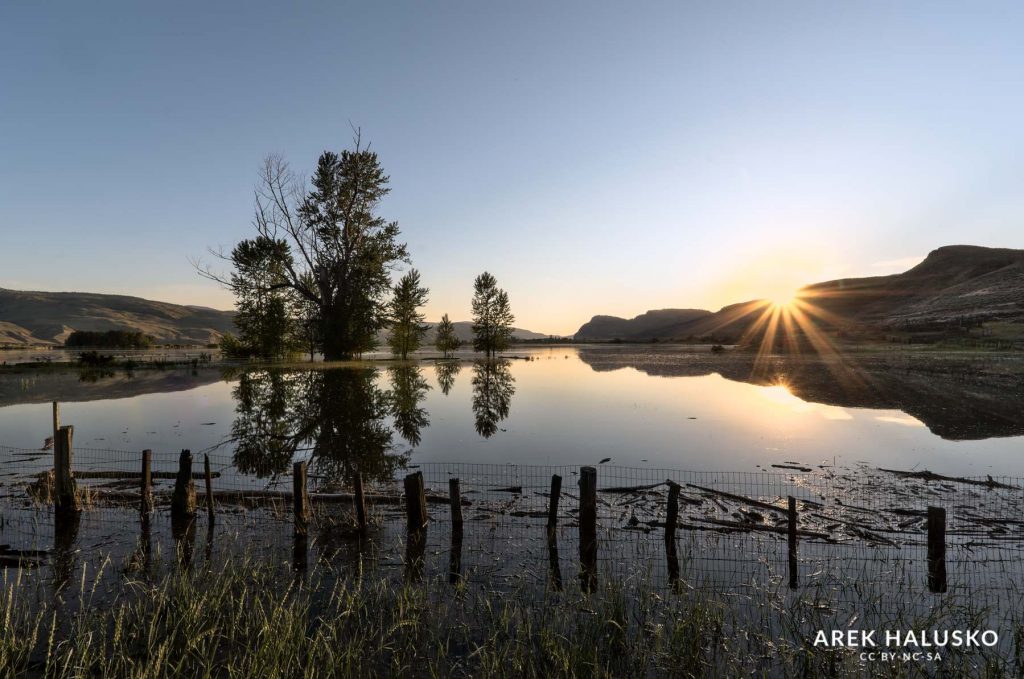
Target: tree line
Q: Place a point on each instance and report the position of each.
(317, 275)
(109, 339)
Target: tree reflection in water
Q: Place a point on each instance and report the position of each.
(336, 418)
(447, 371)
(493, 387)
(408, 389)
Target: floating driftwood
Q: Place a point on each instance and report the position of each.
(739, 498)
(932, 476)
(111, 474)
(631, 489)
(277, 495)
(793, 466)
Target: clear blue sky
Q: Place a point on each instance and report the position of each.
(597, 158)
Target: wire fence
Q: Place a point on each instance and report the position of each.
(857, 530)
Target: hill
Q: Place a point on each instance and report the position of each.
(658, 323)
(28, 318)
(955, 288)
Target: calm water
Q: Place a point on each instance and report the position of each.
(663, 409)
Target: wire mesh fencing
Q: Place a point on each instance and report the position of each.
(854, 530)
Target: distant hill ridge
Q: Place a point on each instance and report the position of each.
(32, 317)
(47, 318)
(954, 284)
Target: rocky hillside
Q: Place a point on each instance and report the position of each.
(28, 318)
(956, 287)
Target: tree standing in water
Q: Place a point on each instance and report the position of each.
(447, 341)
(492, 316)
(407, 328)
(339, 253)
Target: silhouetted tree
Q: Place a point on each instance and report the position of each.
(338, 252)
(446, 373)
(407, 329)
(446, 340)
(262, 316)
(493, 387)
(492, 316)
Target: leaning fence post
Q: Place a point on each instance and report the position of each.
(183, 501)
(588, 527)
(455, 497)
(936, 549)
(65, 498)
(146, 490)
(209, 487)
(556, 492)
(300, 499)
(670, 531)
(791, 516)
(360, 499)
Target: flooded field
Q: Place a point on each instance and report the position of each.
(568, 406)
(718, 442)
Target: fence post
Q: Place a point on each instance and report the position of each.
(415, 501)
(455, 497)
(670, 531)
(556, 493)
(936, 549)
(65, 498)
(183, 501)
(209, 487)
(146, 490)
(416, 538)
(360, 499)
(56, 421)
(588, 528)
(300, 499)
(791, 515)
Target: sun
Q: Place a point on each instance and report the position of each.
(784, 298)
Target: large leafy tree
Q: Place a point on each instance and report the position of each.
(446, 340)
(492, 316)
(407, 328)
(339, 253)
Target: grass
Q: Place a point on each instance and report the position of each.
(245, 618)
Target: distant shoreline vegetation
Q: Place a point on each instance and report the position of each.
(109, 339)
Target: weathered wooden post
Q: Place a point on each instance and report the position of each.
(455, 498)
(300, 499)
(183, 500)
(209, 487)
(146, 489)
(936, 549)
(670, 531)
(416, 512)
(56, 421)
(791, 531)
(65, 497)
(415, 501)
(301, 512)
(553, 561)
(588, 528)
(360, 500)
(556, 493)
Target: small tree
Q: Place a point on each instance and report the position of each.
(407, 329)
(263, 316)
(492, 316)
(446, 341)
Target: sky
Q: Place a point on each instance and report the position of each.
(597, 158)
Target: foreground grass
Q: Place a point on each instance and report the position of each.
(249, 619)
